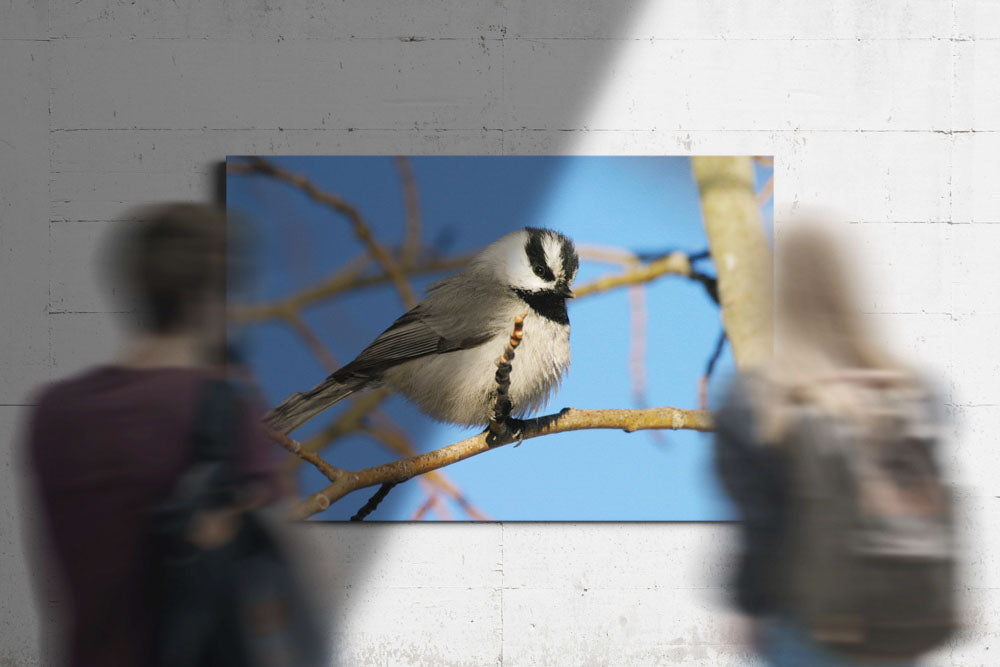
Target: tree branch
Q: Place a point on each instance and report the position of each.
(374, 501)
(332, 473)
(411, 244)
(740, 253)
(312, 341)
(383, 430)
(358, 225)
(349, 421)
(342, 281)
(563, 422)
(675, 263)
(720, 345)
(396, 440)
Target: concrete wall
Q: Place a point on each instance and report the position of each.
(889, 111)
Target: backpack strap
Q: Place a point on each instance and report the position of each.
(213, 439)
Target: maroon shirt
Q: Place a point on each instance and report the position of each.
(106, 447)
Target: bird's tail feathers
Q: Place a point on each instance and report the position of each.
(299, 408)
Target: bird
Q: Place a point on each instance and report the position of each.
(442, 353)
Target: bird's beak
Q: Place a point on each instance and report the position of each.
(565, 291)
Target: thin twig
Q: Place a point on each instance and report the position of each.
(358, 225)
(703, 381)
(470, 509)
(565, 421)
(349, 421)
(411, 244)
(343, 281)
(628, 261)
(675, 263)
(332, 473)
(710, 283)
(605, 254)
(766, 191)
(383, 430)
(637, 346)
(312, 341)
(423, 509)
(340, 282)
(374, 501)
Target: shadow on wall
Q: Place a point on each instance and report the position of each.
(534, 115)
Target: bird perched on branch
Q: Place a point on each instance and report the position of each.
(442, 353)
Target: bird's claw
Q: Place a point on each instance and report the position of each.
(505, 430)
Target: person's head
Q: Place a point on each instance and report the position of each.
(819, 325)
(825, 352)
(170, 262)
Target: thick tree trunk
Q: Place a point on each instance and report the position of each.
(741, 254)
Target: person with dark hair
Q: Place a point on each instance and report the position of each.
(107, 446)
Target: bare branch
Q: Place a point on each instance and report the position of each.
(396, 440)
(342, 281)
(629, 260)
(766, 191)
(740, 252)
(675, 263)
(374, 501)
(295, 447)
(412, 200)
(563, 422)
(297, 322)
(709, 367)
(606, 254)
(349, 421)
(358, 225)
(637, 344)
(347, 280)
(426, 507)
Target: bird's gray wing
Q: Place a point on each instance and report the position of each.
(445, 321)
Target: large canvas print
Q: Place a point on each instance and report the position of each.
(400, 308)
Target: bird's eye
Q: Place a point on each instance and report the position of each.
(539, 271)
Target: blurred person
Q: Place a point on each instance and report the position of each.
(129, 455)
(828, 453)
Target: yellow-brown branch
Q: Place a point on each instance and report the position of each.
(563, 422)
(676, 263)
(740, 252)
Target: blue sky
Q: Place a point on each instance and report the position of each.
(645, 204)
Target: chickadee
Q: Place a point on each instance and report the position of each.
(442, 353)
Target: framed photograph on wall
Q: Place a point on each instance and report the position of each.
(610, 253)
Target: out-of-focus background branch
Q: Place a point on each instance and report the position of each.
(740, 252)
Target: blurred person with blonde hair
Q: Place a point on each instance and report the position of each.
(829, 455)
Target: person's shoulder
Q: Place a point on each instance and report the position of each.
(54, 406)
(57, 392)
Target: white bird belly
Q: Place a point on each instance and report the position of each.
(460, 386)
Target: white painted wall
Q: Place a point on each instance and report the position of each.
(889, 111)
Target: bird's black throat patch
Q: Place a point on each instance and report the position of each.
(548, 303)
